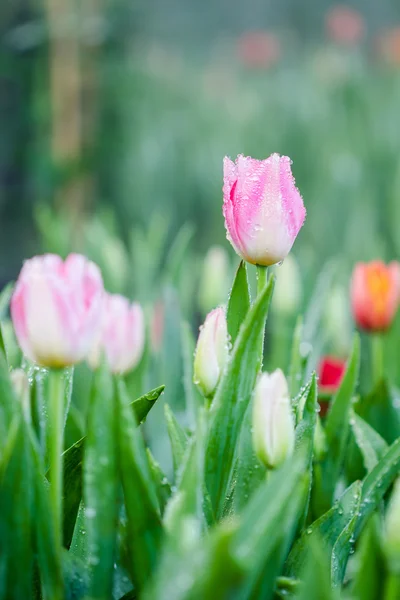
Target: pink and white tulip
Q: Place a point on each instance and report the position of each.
(122, 335)
(56, 308)
(263, 209)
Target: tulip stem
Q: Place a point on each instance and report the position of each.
(56, 446)
(377, 359)
(262, 273)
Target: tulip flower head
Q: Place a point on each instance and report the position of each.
(263, 209)
(122, 335)
(331, 371)
(375, 294)
(273, 425)
(212, 352)
(56, 308)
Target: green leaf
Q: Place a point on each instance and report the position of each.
(239, 301)
(232, 398)
(372, 446)
(8, 401)
(342, 548)
(76, 577)
(377, 482)
(17, 516)
(141, 503)
(305, 433)
(49, 560)
(249, 472)
(101, 485)
(5, 297)
(370, 564)
(328, 528)
(142, 406)
(161, 483)
(260, 546)
(316, 584)
(337, 434)
(177, 437)
(73, 459)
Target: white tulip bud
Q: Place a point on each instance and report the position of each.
(211, 352)
(273, 425)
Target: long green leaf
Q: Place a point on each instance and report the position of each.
(371, 445)
(232, 398)
(141, 504)
(101, 485)
(73, 459)
(327, 528)
(239, 301)
(377, 482)
(337, 434)
(177, 437)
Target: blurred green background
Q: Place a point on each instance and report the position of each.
(116, 114)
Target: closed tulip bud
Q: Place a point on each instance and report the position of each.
(375, 295)
(391, 541)
(288, 289)
(212, 352)
(263, 209)
(337, 319)
(122, 335)
(214, 283)
(273, 424)
(56, 309)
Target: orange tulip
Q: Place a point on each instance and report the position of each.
(375, 294)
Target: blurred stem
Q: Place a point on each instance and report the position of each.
(55, 445)
(377, 358)
(392, 587)
(262, 273)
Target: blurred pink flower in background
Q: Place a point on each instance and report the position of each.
(157, 326)
(263, 209)
(375, 294)
(122, 335)
(344, 25)
(56, 308)
(258, 49)
(387, 45)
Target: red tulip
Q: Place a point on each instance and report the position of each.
(331, 371)
(375, 294)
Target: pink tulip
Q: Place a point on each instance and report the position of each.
(263, 209)
(375, 294)
(122, 337)
(56, 308)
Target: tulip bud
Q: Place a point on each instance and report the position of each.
(273, 425)
(211, 353)
(263, 209)
(122, 335)
(391, 541)
(375, 294)
(56, 309)
(214, 283)
(337, 319)
(287, 291)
